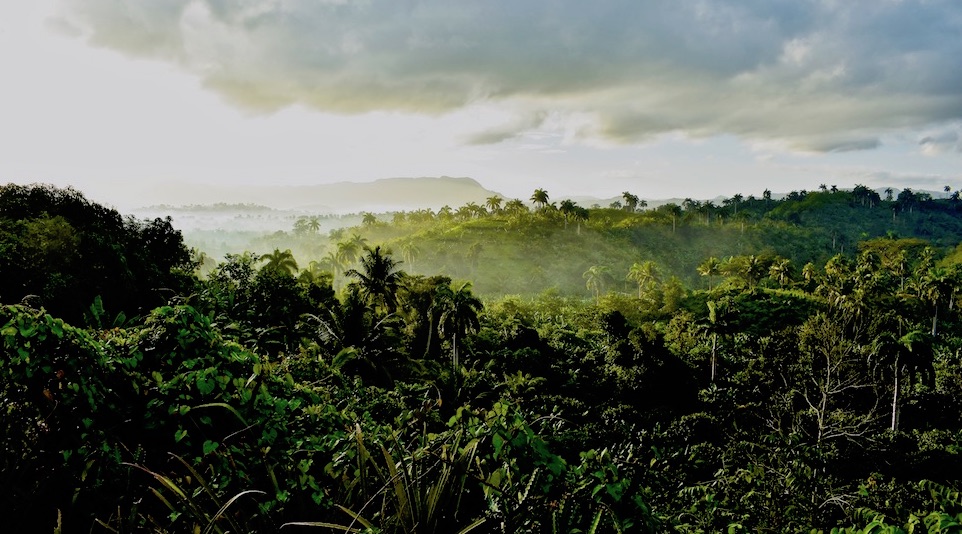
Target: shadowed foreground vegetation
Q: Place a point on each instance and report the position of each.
(750, 395)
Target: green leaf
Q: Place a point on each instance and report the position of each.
(206, 385)
(210, 446)
(498, 441)
(179, 435)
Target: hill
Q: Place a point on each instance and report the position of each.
(387, 194)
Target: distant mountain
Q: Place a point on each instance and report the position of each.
(389, 194)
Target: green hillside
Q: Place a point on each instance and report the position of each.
(526, 251)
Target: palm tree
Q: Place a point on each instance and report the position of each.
(515, 206)
(751, 269)
(644, 274)
(464, 213)
(781, 271)
(280, 262)
(716, 312)
(314, 224)
(631, 201)
(710, 268)
(379, 278)
(540, 198)
(596, 278)
(580, 215)
(301, 225)
(708, 207)
(459, 312)
(493, 204)
(369, 219)
(347, 252)
(675, 211)
(315, 271)
(567, 209)
(410, 252)
(332, 262)
(931, 287)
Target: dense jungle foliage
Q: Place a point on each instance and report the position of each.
(370, 394)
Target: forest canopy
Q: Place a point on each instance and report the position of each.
(760, 366)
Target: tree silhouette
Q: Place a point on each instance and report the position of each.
(280, 261)
(540, 198)
(379, 278)
(672, 209)
(493, 204)
(458, 312)
(631, 201)
(515, 206)
(580, 215)
(332, 263)
(567, 209)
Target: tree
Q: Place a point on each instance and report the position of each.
(540, 198)
(567, 209)
(751, 269)
(710, 268)
(597, 278)
(379, 278)
(781, 271)
(410, 251)
(631, 201)
(314, 224)
(717, 310)
(281, 262)
(580, 215)
(349, 251)
(515, 207)
(645, 274)
(332, 262)
(66, 250)
(301, 226)
(674, 210)
(314, 272)
(369, 219)
(494, 204)
(459, 312)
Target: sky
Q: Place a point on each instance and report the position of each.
(662, 98)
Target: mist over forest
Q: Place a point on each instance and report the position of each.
(770, 363)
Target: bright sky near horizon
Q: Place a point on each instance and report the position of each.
(663, 98)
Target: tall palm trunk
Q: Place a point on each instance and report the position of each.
(895, 397)
(454, 346)
(714, 339)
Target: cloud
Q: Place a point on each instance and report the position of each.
(941, 142)
(509, 130)
(817, 75)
